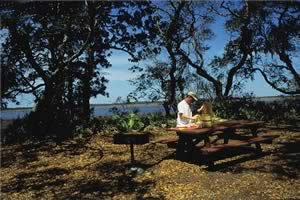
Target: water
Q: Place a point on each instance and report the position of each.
(99, 110)
(104, 109)
(14, 114)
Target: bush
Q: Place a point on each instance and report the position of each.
(124, 122)
(246, 108)
(159, 120)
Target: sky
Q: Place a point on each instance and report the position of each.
(118, 75)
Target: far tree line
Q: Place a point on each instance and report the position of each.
(56, 51)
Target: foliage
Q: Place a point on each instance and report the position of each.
(84, 132)
(284, 111)
(277, 112)
(274, 41)
(102, 124)
(159, 120)
(167, 80)
(21, 130)
(159, 82)
(124, 122)
(264, 38)
(56, 50)
(185, 30)
(128, 122)
(14, 133)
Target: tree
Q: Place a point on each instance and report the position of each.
(170, 78)
(273, 45)
(155, 81)
(184, 32)
(60, 48)
(222, 71)
(255, 28)
(278, 33)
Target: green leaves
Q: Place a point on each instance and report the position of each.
(128, 122)
(64, 45)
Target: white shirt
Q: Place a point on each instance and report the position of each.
(184, 108)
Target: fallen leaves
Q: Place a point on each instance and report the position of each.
(99, 169)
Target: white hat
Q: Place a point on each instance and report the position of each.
(193, 94)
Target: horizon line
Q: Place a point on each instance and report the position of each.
(151, 102)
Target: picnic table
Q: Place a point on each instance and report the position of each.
(188, 140)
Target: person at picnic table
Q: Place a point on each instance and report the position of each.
(185, 115)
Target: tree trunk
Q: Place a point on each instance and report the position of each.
(52, 116)
(167, 108)
(87, 90)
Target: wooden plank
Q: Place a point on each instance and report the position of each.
(263, 138)
(167, 140)
(240, 124)
(191, 131)
(236, 143)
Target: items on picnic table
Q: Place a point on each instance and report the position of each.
(191, 125)
(205, 120)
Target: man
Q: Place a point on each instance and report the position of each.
(185, 116)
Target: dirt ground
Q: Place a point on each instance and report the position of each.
(97, 169)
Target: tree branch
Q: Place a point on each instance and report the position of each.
(217, 84)
(211, 7)
(297, 91)
(232, 72)
(24, 91)
(125, 50)
(92, 22)
(286, 59)
(229, 10)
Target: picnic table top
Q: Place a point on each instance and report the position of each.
(219, 126)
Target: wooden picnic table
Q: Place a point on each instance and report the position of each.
(189, 138)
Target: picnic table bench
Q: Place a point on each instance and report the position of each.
(188, 140)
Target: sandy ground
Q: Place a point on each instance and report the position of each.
(97, 169)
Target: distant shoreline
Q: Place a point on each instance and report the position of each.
(139, 104)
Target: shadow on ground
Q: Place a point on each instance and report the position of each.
(284, 156)
(99, 179)
(108, 178)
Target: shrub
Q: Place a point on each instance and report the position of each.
(246, 108)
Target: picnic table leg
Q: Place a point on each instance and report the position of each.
(206, 141)
(257, 145)
(132, 154)
(227, 133)
(210, 164)
(180, 148)
(184, 148)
